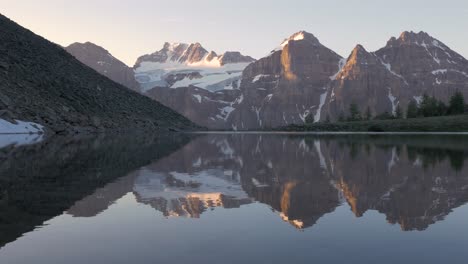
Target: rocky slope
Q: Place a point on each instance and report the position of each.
(42, 83)
(103, 62)
(206, 108)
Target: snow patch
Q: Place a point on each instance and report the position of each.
(198, 97)
(296, 37)
(226, 112)
(341, 65)
(418, 99)
(258, 184)
(21, 127)
(318, 148)
(319, 110)
(392, 162)
(444, 71)
(393, 101)
(258, 77)
(17, 140)
(389, 68)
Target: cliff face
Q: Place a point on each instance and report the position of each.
(286, 86)
(366, 81)
(404, 70)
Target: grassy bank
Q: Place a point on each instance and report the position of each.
(428, 124)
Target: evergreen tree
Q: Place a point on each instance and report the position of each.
(441, 108)
(398, 113)
(412, 111)
(384, 116)
(457, 104)
(354, 113)
(309, 119)
(368, 114)
(341, 117)
(428, 106)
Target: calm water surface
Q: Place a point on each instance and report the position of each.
(235, 198)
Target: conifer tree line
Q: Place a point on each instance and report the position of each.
(429, 106)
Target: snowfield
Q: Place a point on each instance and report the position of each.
(214, 76)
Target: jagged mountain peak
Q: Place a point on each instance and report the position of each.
(360, 55)
(359, 50)
(412, 38)
(193, 53)
(172, 46)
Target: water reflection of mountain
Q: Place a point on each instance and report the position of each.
(39, 182)
(412, 180)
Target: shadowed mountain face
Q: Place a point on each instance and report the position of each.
(41, 83)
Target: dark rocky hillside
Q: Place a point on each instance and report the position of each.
(40, 82)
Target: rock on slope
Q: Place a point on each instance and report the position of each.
(103, 62)
(42, 83)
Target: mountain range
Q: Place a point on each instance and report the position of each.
(299, 79)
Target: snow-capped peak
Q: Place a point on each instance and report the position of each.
(181, 65)
(298, 36)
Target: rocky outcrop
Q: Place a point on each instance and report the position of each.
(103, 62)
(42, 83)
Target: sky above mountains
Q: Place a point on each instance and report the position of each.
(129, 29)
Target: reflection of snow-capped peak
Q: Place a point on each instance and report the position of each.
(209, 187)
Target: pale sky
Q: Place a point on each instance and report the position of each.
(129, 29)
